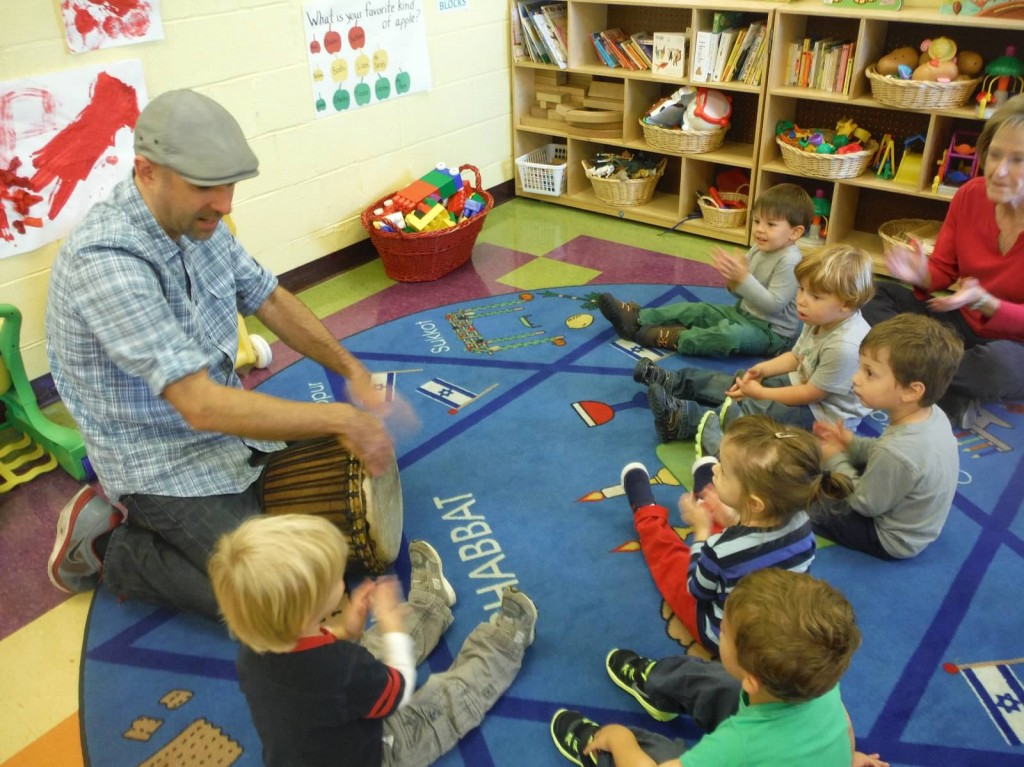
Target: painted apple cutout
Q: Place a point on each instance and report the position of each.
(362, 65)
(332, 41)
(356, 37)
(341, 99)
(382, 88)
(339, 70)
(314, 47)
(321, 105)
(402, 82)
(362, 92)
(380, 60)
(318, 75)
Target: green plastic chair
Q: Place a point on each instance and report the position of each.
(23, 414)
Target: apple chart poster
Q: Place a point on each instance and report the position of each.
(363, 52)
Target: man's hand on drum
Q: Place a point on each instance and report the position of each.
(388, 606)
(365, 437)
(397, 413)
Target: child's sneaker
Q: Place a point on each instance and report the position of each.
(428, 572)
(517, 616)
(659, 336)
(708, 441)
(637, 484)
(572, 732)
(624, 316)
(646, 372)
(670, 414)
(629, 671)
(703, 474)
(74, 565)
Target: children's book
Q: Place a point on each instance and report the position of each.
(557, 15)
(705, 49)
(644, 41)
(603, 54)
(726, 39)
(612, 39)
(547, 34)
(669, 59)
(877, 5)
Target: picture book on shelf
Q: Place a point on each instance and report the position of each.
(669, 54)
(877, 5)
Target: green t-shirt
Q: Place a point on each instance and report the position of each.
(809, 734)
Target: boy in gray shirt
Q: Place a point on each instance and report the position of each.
(763, 321)
(906, 478)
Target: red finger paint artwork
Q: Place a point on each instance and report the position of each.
(93, 24)
(65, 141)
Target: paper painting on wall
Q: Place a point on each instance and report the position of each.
(66, 141)
(363, 52)
(93, 24)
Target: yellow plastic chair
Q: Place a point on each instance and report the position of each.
(44, 443)
(253, 350)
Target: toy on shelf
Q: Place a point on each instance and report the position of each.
(885, 158)
(909, 170)
(847, 138)
(959, 163)
(822, 211)
(938, 61)
(1003, 76)
(895, 62)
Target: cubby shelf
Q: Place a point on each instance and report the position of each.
(859, 205)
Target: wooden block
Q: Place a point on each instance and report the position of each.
(554, 114)
(593, 116)
(603, 89)
(564, 109)
(599, 103)
(539, 111)
(550, 78)
(537, 122)
(552, 97)
(573, 91)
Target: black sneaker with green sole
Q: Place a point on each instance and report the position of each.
(629, 671)
(571, 732)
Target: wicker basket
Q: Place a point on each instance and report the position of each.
(827, 166)
(682, 141)
(920, 94)
(425, 256)
(624, 193)
(542, 171)
(724, 218)
(898, 233)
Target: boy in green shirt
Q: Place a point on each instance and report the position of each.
(787, 638)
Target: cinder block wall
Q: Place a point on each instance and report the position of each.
(316, 175)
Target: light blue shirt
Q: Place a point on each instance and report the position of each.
(131, 311)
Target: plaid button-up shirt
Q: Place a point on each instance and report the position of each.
(131, 311)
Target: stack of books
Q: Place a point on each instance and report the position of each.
(730, 51)
(617, 49)
(539, 32)
(821, 64)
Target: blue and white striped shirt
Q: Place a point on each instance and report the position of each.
(131, 311)
(717, 564)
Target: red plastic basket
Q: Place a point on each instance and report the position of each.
(425, 256)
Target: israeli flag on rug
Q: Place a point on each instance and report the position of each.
(1001, 694)
(385, 382)
(638, 352)
(446, 393)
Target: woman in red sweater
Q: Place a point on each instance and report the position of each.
(981, 244)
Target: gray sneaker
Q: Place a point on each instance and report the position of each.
(517, 615)
(428, 572)
(74, 565)
(708, 442)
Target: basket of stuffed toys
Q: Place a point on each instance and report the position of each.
(428, 229)
(625, 179)
(690, 121)
(936, 77)
(822, 153)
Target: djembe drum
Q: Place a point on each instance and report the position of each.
(321, 477)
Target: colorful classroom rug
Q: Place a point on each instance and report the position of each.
(527, 413)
